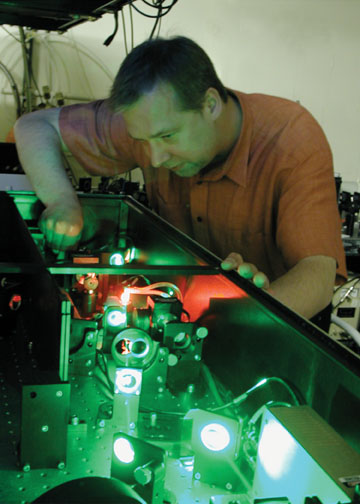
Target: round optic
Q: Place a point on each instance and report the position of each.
(116, 318)
(215, 437)
(182, 340)
(124, 450)
(128, 381)
(116, 259)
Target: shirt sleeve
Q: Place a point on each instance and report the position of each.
(98, 139)
(308, 220)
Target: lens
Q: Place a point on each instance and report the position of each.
(215, 437)
(124, 451)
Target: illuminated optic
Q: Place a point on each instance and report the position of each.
(116, 259)
(125, 297)
(128, 381)
(215, 437)
(124, 451)
(140, 348)
(116, 318)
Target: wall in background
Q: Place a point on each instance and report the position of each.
(306, 50)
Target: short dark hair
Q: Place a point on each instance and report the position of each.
(178, 61)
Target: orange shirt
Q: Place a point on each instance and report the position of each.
(273, 200)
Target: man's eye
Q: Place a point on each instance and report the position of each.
(169, 135)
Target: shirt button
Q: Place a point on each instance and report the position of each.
(199, 219)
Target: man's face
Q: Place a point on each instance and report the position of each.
(182, 141)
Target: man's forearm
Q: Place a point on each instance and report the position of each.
(39, 147)
(308, 287)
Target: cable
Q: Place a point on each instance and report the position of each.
(52, 51)
(134, 280)
(67, 295)
(81, 63)
(351, 331)
(241, 398)
(163, 413)
(105, 371)
(343, 298)
(158, 33)
(154, 17)
(78, 47)
(170, 285)
(111, 37)
(158, 19)
(14, 88)
(11, 34)
(153, 289)
(32, 76)
(259, 412)
(155, 4)
(124, 32)
(131, 27)
(213, 386)
(27, 82)
(104, 383)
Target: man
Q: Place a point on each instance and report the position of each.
(248, 176)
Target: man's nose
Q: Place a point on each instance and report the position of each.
(159, 156)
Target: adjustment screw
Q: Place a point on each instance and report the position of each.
(202, 332)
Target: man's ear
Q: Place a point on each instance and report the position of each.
(212, 104)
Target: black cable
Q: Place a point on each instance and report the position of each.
(32, 76)
(131, 30)
(110, 38)
(105, 370)
(26, 76)
(156, 23)
(143, 409)
(156, 5)
(154, 17)
(124, 31)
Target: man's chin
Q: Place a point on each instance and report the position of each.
(186, 170)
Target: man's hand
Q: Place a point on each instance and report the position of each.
(62, 225)
(306, 288)
(246, 270)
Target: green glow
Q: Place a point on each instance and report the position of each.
(215, 437)
(116, 259)
(116, 318)
(276, 449)
(124, 451)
